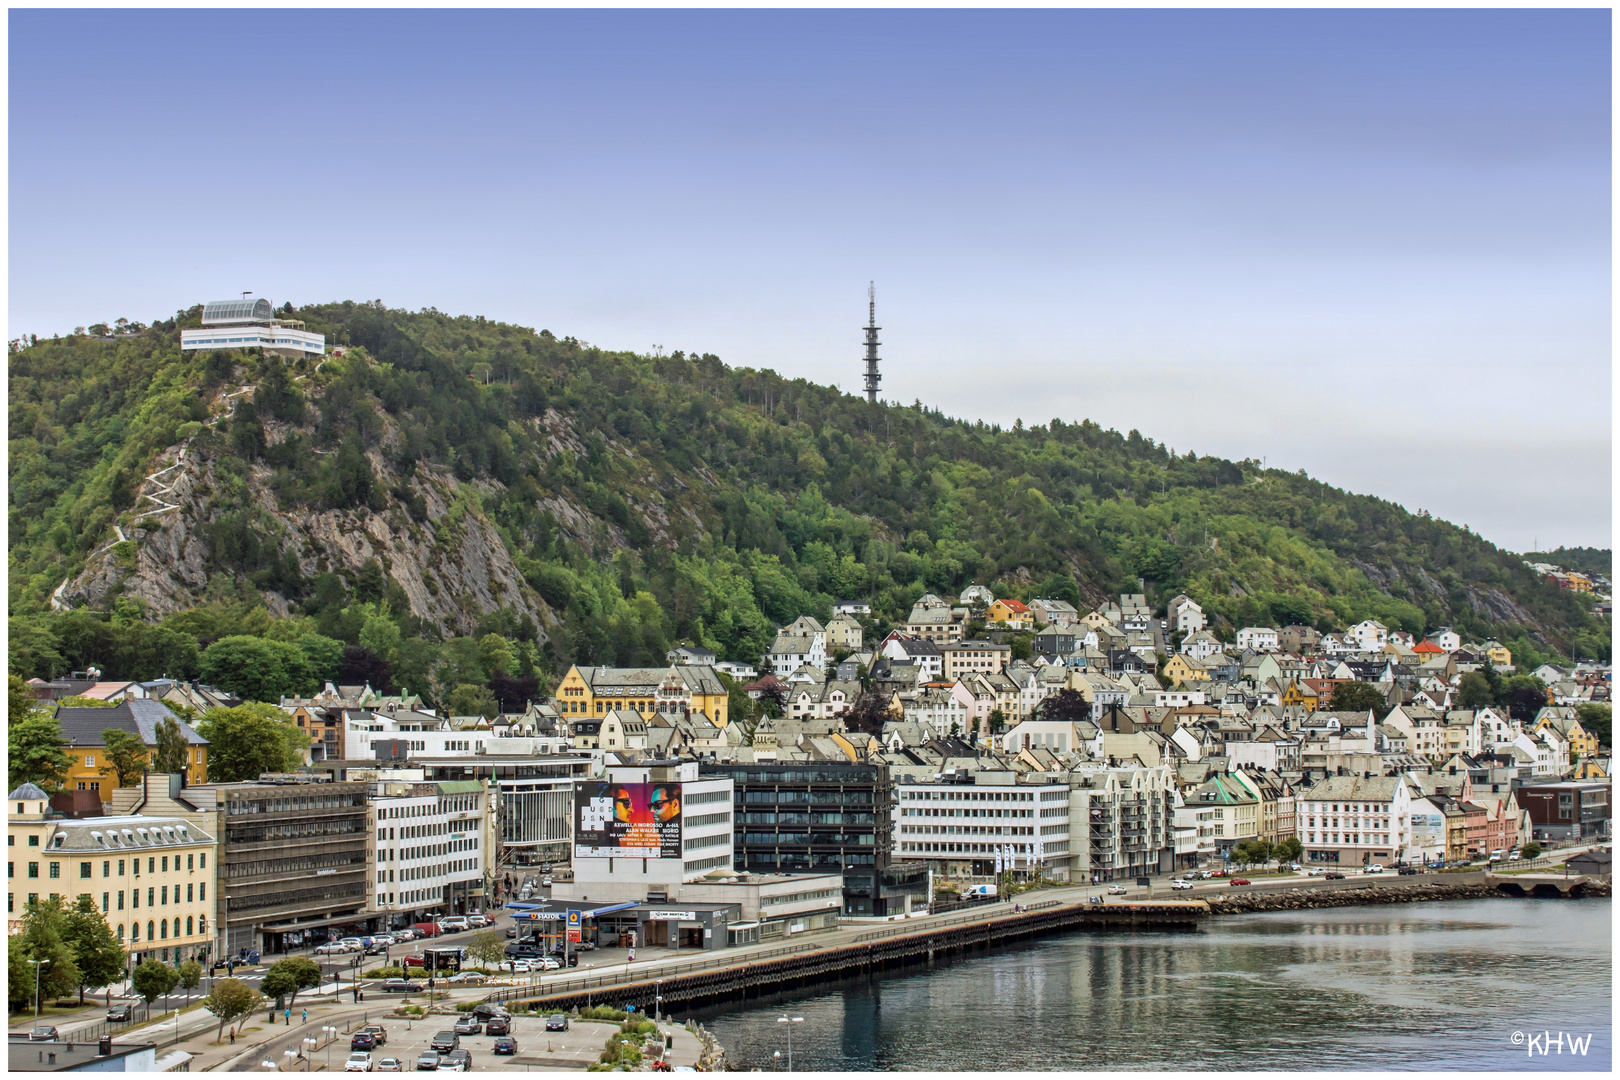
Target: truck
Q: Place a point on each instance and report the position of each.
(980, 892)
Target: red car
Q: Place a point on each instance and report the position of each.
(1241, 881)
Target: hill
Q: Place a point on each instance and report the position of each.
(447, 478)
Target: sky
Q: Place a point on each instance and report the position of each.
(1373, 245)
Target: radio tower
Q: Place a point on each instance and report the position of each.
(872, 376)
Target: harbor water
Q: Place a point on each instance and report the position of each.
(1472, 985)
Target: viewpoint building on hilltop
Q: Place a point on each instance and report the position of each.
(251, 323)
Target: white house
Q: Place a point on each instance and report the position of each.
(1186, 615)
(1369, 635)
(1257, 638)
(1446, 638)
(1200, 645)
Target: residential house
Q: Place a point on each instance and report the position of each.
(1185, 614)
(1049, 612)
(1299, 639)
(1011, 613)
(82, 727)
(1354, 820)
(1235, 809)
(1201, 645)
(1369, 635)
(843, 634)
(1257, 639)
(966, 657)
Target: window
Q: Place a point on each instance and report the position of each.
(104, 903)
(84, 869)
(33, 841)
(202, 861)
(188, 892)
(166, 864)
(151, 895)
(89, 762)
(202, 890)
(120, 899)
(150, 933)
(120, 867)
(56, 869)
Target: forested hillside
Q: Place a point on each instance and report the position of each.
(454, 502)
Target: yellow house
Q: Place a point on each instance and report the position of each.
(1096, 620)
(1581, 741)
(1498, 654)
(1179, 669)
(1013, 613)
(82, 727)
(597, 691)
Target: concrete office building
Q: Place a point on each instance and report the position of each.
(430, 849)
(961, 823)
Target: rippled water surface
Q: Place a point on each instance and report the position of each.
(1407, 986)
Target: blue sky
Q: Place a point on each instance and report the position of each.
(1371, 244)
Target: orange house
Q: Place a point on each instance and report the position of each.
(1013, 613)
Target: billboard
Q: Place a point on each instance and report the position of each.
(627, 821)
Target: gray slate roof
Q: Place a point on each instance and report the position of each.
(82, 725)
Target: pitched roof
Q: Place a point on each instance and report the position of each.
(82, 725)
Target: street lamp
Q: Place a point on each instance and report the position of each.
(658, 1001)
(292, 1056)
(790, 1023)
(331, 1033)
(37, 964)
(312, 1043)
(776, 1061)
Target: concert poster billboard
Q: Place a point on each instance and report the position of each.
(627, 821)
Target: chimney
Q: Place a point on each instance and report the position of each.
(104, 1048)
(176, 782)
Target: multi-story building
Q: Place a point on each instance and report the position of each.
(82, 728)
(1276, 802)
(295, 862)
(932, 619)
(1355, 820)
(1236, 809)
(1571, 810)
(843, 634)
(150, 876)
(596, 691)
(431, 852)
(1257, 639)
(960, 824)
(1122, 822)
(963, 658)
(823, 816)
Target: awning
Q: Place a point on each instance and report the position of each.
(742, 926)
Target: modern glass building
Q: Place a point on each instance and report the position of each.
(250, 324)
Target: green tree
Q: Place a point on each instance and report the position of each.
(495, 654)
(1358, 697)
(127, 754)
(255, 669)
(381, 635)
(487, 948)
(34, 743)
(287, 977)
(250, 739)
(469, 700)
(1474, 691)
(172, 748)
(1599, 720)
(231, 999)
(96, 952)
(1289, 849)
(41, 938)
(153, 979)
(190, 974)
(998, 721)
(1532, 850)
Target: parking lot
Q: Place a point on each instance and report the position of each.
(537, 1048)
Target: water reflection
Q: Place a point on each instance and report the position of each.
(1442, 987)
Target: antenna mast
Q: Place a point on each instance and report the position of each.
(872, 376)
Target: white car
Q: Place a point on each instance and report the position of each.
(352, 942)
(452, 923)
(332, 948)
(1315, 871)
(519, 967)
(1178, 883)
(359, 1061)
(384, 939)
(1116, 890)
(1375, 868)
(548, 963)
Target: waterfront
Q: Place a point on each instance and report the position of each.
(1432, 986)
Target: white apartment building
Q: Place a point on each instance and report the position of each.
(1257, 638)
(1369, 635)
(431, 853)
(958, 827)
(1123, 822)
(1355, 820)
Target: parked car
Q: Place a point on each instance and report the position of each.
(511, 931)
(358, 1062)
(1240, 881)
(43, 1033)
(1179, 883)
(1408, 869)
(467, 1025)
(353, 943)
(585, 946)
(414, 960)
(1116, 890)
(457, 1061)
(452, 924)
(390, 1065)
(405, 934)
(468, 978)
(505, 1045)
(332, 948)
(121, 1014)
(362, 1040)
(376, 948)
(477, 921)
(426, 929)
(573, 958)
(1375, 868)
(548, 963)
(545, 883)
(445, 1041)
(427, 1061)
(498, 1025)
(1332, 875)
(486, 1010)
(557, 1022)
(377, 1032)
(524, 950)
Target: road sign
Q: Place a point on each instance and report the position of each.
(573, 921)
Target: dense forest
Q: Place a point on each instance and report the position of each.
(465, 507)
